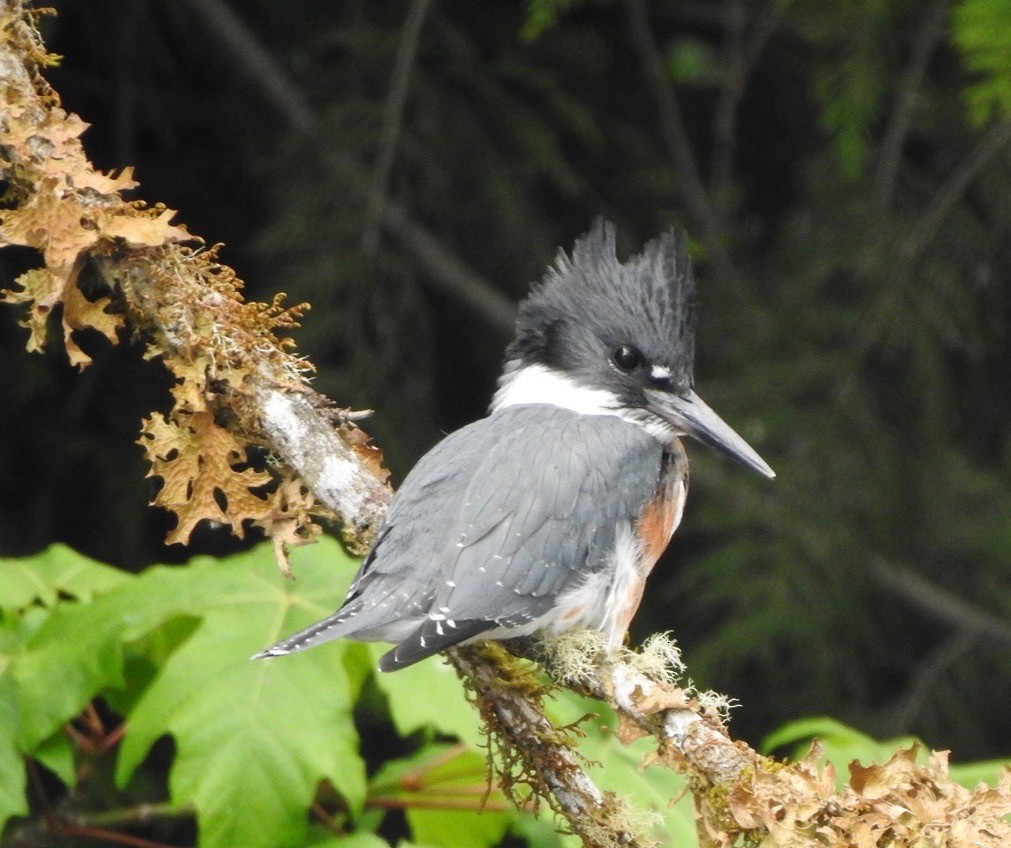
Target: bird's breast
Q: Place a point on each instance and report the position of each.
(661, 515)
(610, 598)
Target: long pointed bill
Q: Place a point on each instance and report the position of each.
(690, 416)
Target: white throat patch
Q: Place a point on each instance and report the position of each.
(529, 384)
(519, 386)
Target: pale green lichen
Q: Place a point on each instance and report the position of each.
(659, 659)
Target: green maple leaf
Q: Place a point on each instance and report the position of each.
(12, 769)
(253, 738)
(55, 573)
(47, 635)
(440, 776)
(429, 695)
(622, 769)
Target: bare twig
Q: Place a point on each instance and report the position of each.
(259, 65)
(53, 823)
(931, 27)
(428, 802)
(675, 136)
(741, 54)
(734, 79)
(915, 244)
(939, 603)
(328, 821)
(392, 121)
(446, 271)
(448, 274)
(930, 671)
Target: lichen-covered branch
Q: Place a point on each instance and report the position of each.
(115, 266)
(744, 798)
(533, 752)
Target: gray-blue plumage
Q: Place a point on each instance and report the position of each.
(549, 513)
(489, 528)
(590, 302)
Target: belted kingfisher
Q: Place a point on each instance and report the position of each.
(548, 514)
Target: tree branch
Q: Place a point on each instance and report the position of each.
(939, 603)
(931, 27)
(514, 714)
(447, 272)
(741, 54)
(392, 120)
(675, 136)
(259, 65)
(929, 672)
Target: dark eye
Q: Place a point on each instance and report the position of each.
(627, 358)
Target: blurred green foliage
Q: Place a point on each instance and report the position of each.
(266, 753)
(980, 31)
(862, 346)
(276, 752)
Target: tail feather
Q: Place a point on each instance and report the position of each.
(431, 638)
(327, 630)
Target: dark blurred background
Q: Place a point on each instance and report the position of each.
(410, 167)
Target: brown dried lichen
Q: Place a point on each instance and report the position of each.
(160, 285)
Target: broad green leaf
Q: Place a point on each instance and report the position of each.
(253, 738)
(429, 694)
(457, 828)
(620, 769)
(79, 645)
(55, 571)
(12, 767)
(358, 839)
(843, 745)
(437, 777)
(57, 754)
(970, 775)
(542, 832)
(56, 654)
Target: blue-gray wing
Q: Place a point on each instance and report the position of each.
(491, 526)
(537, 517)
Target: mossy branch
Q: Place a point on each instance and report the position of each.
(115, 265)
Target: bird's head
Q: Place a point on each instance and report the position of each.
(606, 337)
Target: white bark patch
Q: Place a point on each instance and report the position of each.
(307, 441)
(280, 410)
